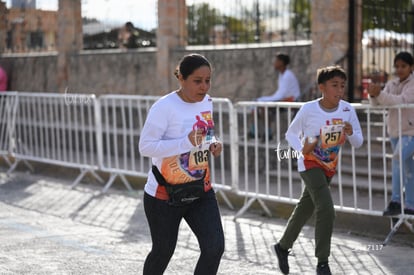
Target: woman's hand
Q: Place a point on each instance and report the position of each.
(216, 148)
(196, 137)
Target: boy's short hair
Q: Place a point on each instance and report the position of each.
(329, 72)
(284, 58)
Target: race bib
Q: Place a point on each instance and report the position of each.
(332, 135)
(199, 157)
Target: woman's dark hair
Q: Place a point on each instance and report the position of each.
(189, 63)
(405, 57)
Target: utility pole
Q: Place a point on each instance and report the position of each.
(257, 35)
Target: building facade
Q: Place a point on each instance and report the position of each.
(30, 30)
(24, 4)
(330, 44)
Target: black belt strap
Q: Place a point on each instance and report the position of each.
(160, 178)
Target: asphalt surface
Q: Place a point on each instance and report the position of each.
(48, 228)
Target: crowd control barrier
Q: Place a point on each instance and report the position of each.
(121, 120)
(257, 163)
(268, 165)
(263, 174)
(57, 129)
(224, 167)
(8, 105)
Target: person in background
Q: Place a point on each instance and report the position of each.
(287, 90)
(3, 80)
(399, 90)
(318, 131)
(128, 36)
(178, 136)
(288, 86)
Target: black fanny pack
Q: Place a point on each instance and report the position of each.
(181, 194)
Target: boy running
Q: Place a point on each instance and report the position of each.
(324, 125)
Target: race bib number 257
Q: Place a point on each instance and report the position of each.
(332, 135)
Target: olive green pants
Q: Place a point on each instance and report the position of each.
(316, 199)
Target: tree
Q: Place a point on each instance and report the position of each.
(389, 15)
(202, 20)
(301, 16)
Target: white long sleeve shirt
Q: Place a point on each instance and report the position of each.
(313, 121)
(164, 138)
(395, 93)
(288, 88)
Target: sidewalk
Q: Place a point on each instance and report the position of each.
(48, 228)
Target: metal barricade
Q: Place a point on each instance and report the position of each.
(361, 185)
(8, 105)
(57, 129)
(224, 168)
(76, 130)
(265, 173)
(121, 118)
(402, 218)
(371, 168)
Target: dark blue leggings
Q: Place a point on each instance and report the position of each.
(204, 219)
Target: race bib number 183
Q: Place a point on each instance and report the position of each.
(199, 158)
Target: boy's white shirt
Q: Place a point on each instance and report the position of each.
(311, 118)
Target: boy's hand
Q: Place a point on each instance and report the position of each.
(309, 145)
(348, 129)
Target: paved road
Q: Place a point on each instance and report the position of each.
(48, 228)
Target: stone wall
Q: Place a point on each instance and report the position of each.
(26, 72)
(239, 73)
(330, 37)
(247, 73)
(70, 38)
(3, 26)
(171, 34)
(329, 32)
(117, 72)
